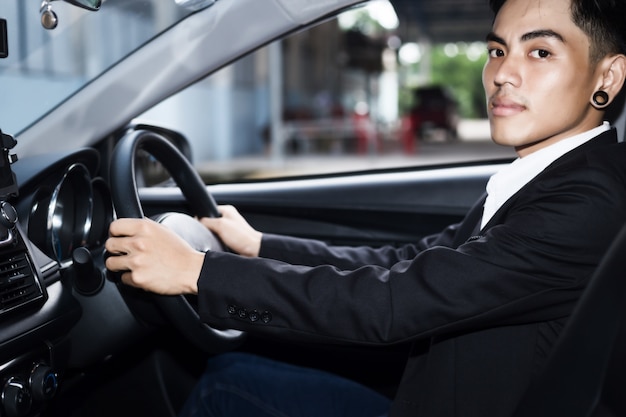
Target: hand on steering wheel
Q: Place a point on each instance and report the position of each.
(144, 255)
(178, 308)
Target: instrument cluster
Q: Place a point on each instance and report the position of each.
(69, 211)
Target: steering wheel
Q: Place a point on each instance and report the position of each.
(178, 309)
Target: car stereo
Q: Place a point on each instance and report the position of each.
(19, 283)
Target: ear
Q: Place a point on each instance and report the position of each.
(612, 72)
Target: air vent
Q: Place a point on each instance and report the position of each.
(18, 283)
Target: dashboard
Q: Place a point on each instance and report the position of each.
(58, 310)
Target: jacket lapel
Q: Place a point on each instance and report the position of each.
(604, 139)
(471, 223)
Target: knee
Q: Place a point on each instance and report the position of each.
(227, 388)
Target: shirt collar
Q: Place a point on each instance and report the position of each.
(510, 179)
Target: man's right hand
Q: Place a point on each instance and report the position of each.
(235, 231)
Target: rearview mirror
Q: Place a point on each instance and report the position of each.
(86, 4)
(49, 18)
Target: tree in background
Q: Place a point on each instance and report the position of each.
(459, 68)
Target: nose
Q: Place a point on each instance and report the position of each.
(503, 70)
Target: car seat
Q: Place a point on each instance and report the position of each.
(586, 373)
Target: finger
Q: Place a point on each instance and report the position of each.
(137, 280)
(116, 263)
(124, 227)
(119, 227)
(127, 278)
(228, 210)
(209, 220)
(116, 245)
(212, 223)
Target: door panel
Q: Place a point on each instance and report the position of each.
(376, 208)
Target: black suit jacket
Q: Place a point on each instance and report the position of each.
(482, 308)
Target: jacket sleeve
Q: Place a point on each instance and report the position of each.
(530, 266)
(309, 252)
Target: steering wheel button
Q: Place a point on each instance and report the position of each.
(242, 313)
(232, 309)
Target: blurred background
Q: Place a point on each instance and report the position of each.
(359, 91)
(391, 84)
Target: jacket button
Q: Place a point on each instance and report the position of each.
(232, 309)
(253, 315)
(242, 313)
(266, 317)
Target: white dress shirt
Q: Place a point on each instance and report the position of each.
(510, 179)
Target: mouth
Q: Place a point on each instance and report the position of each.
(503, 106)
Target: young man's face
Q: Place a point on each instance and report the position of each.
(538, 79)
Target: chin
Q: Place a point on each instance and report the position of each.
(511, 134)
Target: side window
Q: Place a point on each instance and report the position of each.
(349, 94)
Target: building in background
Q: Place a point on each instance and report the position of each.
(342, 87)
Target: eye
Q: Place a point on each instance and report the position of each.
(540, 53)
(495, 52)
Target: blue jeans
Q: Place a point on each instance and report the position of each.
(244, 385)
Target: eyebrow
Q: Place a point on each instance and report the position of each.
(540, 33)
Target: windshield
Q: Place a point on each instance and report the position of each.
(45, 67)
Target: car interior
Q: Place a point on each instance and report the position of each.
(76, 342)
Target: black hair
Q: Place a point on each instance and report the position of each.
(603, 21)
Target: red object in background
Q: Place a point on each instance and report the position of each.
(365, 132)
(407, 134)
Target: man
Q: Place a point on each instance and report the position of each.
(483, 301)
